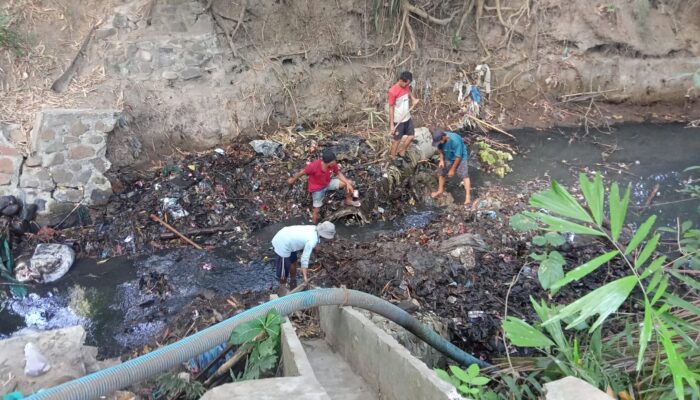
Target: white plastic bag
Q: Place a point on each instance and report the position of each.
(36, 364)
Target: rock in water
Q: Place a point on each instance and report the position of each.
(35, 362)
(49, 263)
(267, 148)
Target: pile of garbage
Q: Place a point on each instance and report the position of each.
(217, 199)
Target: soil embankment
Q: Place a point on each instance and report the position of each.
(191, 75)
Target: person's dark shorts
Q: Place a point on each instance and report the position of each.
(462, 169)
(284, 264)
(404, 129)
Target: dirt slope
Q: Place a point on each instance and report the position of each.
(189, 76)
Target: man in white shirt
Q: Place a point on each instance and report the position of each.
(289, 240)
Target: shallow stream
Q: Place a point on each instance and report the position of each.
(126, 302)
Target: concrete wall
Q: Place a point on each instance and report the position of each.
(299, 381)
(379, 359)
(66, 160)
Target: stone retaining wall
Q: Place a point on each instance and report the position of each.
(66, 161)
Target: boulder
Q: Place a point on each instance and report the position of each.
(49, 263)
(60, 348)
(571, 388)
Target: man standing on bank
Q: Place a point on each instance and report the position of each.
(289, 240)
(320, 181)
(401, 102)
(453, 160)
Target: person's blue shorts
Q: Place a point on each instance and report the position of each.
(284, 264)
(318, 196)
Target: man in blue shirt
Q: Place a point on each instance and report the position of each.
(453, 160)
(291, 239)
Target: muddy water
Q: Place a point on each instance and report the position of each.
(129, 300)
(642, 155)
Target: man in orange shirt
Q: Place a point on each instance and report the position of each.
(401, 101)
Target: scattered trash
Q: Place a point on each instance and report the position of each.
(490, 214)
(207, 266)
(220, 151)
(35, 362)
(197, 364)
(475, 316)
(267, 148)
(174, 208)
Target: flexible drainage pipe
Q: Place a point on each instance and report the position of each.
(109, 380)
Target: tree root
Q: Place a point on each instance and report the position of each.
(423, 14)
(209, 7)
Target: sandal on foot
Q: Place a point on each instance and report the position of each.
(354, 203)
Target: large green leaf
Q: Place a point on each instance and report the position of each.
(646, 251)
(554, 239)
(559, 201)
(246, 332)
(545, 312)
(460, 374)
(660, 291)
(556, 224)
(442, 374)
(686, 279)
(551, 269)
(593, 192)
(641, 233)
(676, 364)
(653, 267)
(645, 333)
(618, 209)
(603, 301)
(676, 301)
(523, 334)
(273, 322)
(521, 222)
(583, 270)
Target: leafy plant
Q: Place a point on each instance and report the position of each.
(174, 386)
(9, 38)
(691, 188)
(551, 267)
(580, 355)
(468, 381)
(6, 267)
(494, 161)
(261, 337)
(648, 272)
